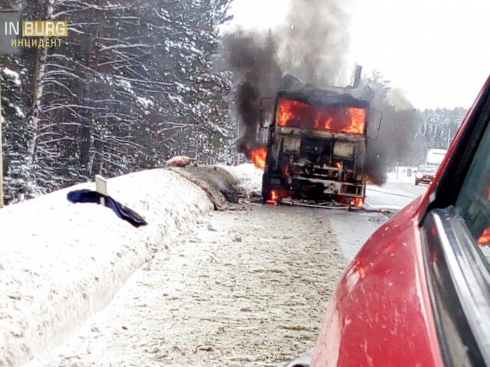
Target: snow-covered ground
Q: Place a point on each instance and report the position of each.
(249, 176)
(352, 229)
(202, 289)
(242, 288)
(62, 262)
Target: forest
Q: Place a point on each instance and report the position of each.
(135, 83)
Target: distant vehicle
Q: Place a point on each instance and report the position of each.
(425, 174)
(435, 156)
(317, 143)
(418, 291)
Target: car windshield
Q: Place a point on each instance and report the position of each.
(428, 169)
(473, 203)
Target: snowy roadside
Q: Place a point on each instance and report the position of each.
(242, 288)
(249, 176)
(62, 262)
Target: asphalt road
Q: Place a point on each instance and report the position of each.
(354, 228)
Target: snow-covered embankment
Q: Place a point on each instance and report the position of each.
(61, 262)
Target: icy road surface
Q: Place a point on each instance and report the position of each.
(241, 288)
(353, 229)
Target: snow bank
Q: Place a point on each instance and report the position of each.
(61, 262)
(248, 176)
(402, 173)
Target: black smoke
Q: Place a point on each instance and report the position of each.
(394, 144)
(253, 61)
(312, 45)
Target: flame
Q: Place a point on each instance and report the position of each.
(358, 202)
(434, 257)
(484, 238)
(258, 155)
(292, 113)
(290, 109)
(277, 194)
(357, 120)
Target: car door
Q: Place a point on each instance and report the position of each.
(455, 233)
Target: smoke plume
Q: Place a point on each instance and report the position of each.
(393, 144)
(315, 40)
(252, 59)
(311, 45)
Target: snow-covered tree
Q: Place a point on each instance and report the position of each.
(131, 85)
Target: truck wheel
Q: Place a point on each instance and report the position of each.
(266, 194)
(266, 190)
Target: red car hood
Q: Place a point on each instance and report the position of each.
(380, 314)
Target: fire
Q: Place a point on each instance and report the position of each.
(276, 195)
(484, 238)
(303, 115)
(349, 201)
(290, 109)
(258, 155)
(358, 202)
(357, 119)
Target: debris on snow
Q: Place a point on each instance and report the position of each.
(219, 184)
(216, 302)
(249, 177)
(179, 161)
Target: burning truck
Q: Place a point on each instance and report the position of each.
(316, 143)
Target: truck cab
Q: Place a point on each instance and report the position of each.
(316, 146)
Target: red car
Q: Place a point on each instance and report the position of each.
(425, 174)
(418, 292)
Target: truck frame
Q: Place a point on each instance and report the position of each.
(316, 144)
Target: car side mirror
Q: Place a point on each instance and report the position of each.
(300, 362)
(267, 106)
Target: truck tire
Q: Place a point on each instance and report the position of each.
(266, 194)
(266, 191)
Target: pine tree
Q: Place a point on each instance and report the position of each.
(131, 85)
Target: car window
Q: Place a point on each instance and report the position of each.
(427, 169)
(473, 203)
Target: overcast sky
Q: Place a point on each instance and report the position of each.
(437, 51)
